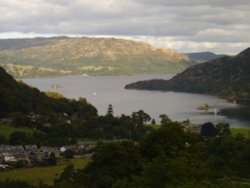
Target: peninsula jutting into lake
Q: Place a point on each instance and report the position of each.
(227, 77)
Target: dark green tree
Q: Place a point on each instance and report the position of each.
(15, 184)
(165, 119)
(140, 117)
(165, 171)
(223, 129)
(18, 138)
(208, 130)
(110, 110)
(52, 159)
(168, 139)
(3, 139)
(110, 163)
(153, 122)
(66, 175)
(68, 154)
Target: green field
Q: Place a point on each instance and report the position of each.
(38, 174)
(243, 131)
(155, 126)
(7, 130)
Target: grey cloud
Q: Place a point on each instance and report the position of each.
(194, 2)
(193, 20)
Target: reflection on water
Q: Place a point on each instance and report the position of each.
(104, 90)
(242, 112)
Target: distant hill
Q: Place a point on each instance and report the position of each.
(60, 56)
(228, 77)
(201, 57)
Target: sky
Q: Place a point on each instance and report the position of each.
(220, 26)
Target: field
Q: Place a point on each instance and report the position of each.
(155, 126)
(234, 131)
(243, 131)
(6, 130)
(38, 174)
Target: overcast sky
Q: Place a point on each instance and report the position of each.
(221, 26)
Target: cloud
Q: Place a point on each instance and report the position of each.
(195, 2)
(192, 21)
(185, 46)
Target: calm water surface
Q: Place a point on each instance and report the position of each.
(104, 90)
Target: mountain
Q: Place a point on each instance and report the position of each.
(60, 56)
(7, 44)
(17, 97)
(228, 77)
(201, 57)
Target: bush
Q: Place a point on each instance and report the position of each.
(69, 154)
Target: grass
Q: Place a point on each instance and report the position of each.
(21, 69)
(234, 131)
(7, 130)
(155, 126)
(38, 174)
(243, 131)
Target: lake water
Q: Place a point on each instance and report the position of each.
(104, 90)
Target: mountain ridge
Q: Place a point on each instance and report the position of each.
(201, 57)
(60, 56)
(6, 44)
(228, 77)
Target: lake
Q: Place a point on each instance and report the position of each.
(104, 90)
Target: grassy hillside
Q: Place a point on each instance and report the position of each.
(7, 130)
(17, 97)
(88, 56)
(243, 131)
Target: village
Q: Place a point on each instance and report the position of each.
(19, 156)
(32, 155)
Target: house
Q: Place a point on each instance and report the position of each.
(45, 152)
(1, 158)
(4, 166)
(192, 128)
(5, 121)
(5, 148)
(16, 148)
(9, 157)
(27, 154)
(31, 151)
(34, 117)
(31, 147)
(73, 148)
(86, 147)
(13, 154)
(22, 156)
